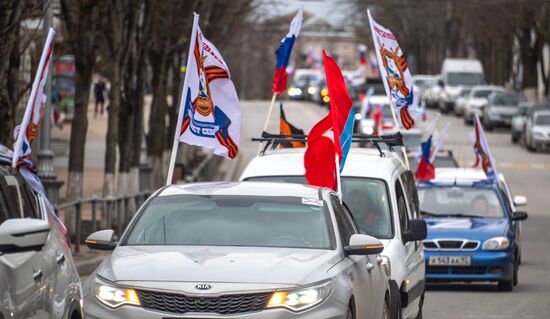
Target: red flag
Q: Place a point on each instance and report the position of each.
(319, 156)
(425, 170)
(378, 125)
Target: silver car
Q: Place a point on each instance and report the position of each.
(537, 129)
(478, 100)
(37, 276)
(239, 250)
(502, 106)
(518, 121)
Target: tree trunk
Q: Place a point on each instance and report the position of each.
(112, 130)
(529, 61)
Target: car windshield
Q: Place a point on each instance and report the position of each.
(483, 93)
(441, 161)
(367, 199)
(510, 100)
(543, 119)
(422, 83)
(464, 78)
(449, 201)
(522, 110)
(258, 221)
(465, 92)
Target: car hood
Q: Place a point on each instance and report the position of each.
(507, 110)
(471, 228)
(542, 129)
(453, 90)
(478, 101)
(218, 264)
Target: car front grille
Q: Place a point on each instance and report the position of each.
(451, 244)
(223, 305)
(459, 270)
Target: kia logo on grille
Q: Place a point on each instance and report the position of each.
(203, 286)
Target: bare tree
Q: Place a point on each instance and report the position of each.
(83, 21)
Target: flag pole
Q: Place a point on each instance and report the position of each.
(175, 144)
(338, 179)
(30, 103)
(269, 111)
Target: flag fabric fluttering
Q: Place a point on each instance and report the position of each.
(210, 114)
(481, 150)
(331, 136)
(341, 108)
(285, 128)
(283, 54)
(25, 133)
(395, 75)
(362, 54)
(441, 135)
(425, 170)
(378, 118)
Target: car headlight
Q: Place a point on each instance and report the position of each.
(358, 116)
(368, 130)
(538, 134)
(326, 99)
(114, 296)
(311, 90)
(324, 92)
(496, 243)
(301, 298)
(386, 265)
(294, 91)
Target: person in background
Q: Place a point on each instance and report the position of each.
(99, 90)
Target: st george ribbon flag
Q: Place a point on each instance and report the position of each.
(395, 75)
(481, 150)
(209, 115)
(283, 54)
(35, 106)
(286, 128)
(331, 136)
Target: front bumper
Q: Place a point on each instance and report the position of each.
(330, 309)
(485, 266)
(541, 143)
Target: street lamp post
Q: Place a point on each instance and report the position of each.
(45, 155)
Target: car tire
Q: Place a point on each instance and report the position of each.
(420, 306)
(395, 297)
(515, 279)
(514, 138)
(506, 285)
(386, 310)
(351, 312)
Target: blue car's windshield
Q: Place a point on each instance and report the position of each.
(257, 221)
(449, 201)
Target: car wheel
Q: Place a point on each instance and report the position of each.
(506, 285)
(420, 306)
(515, 138)
(350, 314)
(395, 297)
(386, 310)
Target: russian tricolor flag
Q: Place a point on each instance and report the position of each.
(283, 54)
(425, 170)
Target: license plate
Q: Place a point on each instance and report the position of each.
(450, 261)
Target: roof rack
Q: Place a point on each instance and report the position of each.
(273, 140)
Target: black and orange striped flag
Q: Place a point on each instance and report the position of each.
(286, 128)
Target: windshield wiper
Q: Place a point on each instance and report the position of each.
(463, 215)
(423, 212)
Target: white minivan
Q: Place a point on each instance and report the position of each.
(381, 195)
(455, 75)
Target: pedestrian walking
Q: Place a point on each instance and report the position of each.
(99, 89)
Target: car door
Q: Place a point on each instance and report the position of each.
(408, 208)
(360, 267)
(23, 292)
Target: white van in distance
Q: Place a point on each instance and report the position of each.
(456, 74)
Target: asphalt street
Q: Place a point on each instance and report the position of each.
(527, 174)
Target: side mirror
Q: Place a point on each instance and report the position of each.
(417, 231)
(519, 216)
(23, 234)
(102, 240)
(520, 200)
(360, 244)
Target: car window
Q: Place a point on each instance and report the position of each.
(506, 199)
(481, 202)
(367, 200)
(344, 221)
(233, 220)
(401, 207)
(19, 200)
(411, 193)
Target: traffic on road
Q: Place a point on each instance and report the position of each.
(409, 197)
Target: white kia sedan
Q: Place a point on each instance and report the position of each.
(239, 250)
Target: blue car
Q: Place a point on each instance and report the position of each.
(473, 230)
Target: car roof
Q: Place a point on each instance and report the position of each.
(360, 162)
(379, 99)
(488, 87)
(242, 189)
(459, 176)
